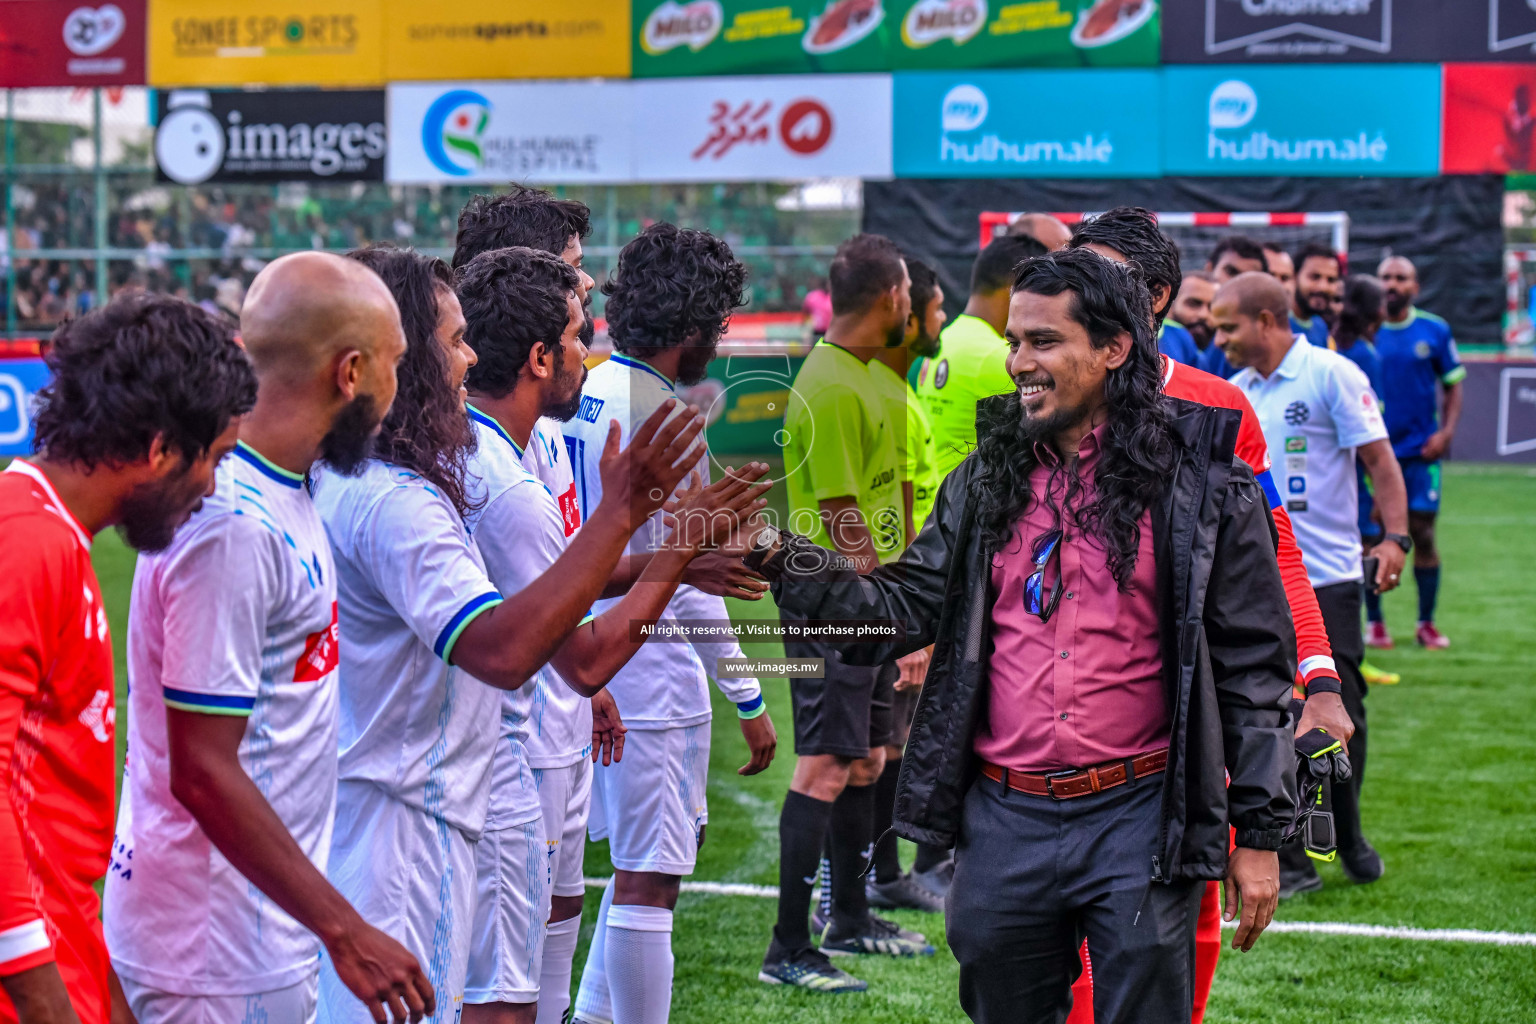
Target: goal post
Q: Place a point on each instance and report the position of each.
(1197, 233)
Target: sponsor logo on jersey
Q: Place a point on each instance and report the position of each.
(1295, 444)
(1296, 505)
(570, 511)
(590, 407)
(1296, 484)
(322, 653)
(99, 716)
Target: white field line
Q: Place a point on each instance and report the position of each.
(1363, 931)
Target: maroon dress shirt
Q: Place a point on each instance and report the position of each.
(1087, 686)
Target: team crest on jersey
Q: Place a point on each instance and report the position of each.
(941, 374)
(322, 653)
(570, 511)
(1422, 349)
(1297, 413)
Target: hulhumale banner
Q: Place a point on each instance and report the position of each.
(474, 132)
(1035, 124)
(1042, 33)
(71, 43)
(1318, 120)
(715, 37)
(737, 128)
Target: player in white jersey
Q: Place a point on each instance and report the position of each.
(523, 313)
(430, 641)
(217, 902)
(560, 731)
(669, 298)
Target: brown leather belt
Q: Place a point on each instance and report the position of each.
(1075, 782)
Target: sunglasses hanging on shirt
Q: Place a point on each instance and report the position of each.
(1042, 588)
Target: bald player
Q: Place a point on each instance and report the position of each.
(1043, 228)
(218, 904)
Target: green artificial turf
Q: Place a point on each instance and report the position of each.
(1450, 802)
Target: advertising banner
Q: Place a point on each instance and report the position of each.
(1319, 120)
(1028, 124)
(730, 37)
(282, 135)
(20, 381)
(1490, 119)
(546, 132)
(1038, 33)
(505, 39)
(71, 43)
(1496, 30)
(266, 42)
(1288, 31)
(763, 128)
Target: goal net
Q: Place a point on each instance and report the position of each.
(1198, 233)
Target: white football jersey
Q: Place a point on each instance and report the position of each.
(665, 685)
(236, 617)
(560, 732)
(518, 531)
(410, 580)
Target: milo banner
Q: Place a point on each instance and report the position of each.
(733, 37)
(1035, 33)
(728, 37)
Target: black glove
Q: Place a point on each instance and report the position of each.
(1319, 758)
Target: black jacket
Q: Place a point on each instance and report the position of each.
(1229, 649)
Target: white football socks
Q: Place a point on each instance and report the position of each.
(555, 974)
(638, 955)
(593, 1003)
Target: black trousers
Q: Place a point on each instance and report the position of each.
(1035, 876)
(1340, 605)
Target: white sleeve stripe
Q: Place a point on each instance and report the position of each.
(23, 940)
(1317, 661)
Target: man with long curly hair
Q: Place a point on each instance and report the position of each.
(669, 298)
(1111, 639)
(429, 643)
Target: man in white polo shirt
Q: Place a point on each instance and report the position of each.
(1318, 412)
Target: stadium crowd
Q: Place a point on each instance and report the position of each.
(402, 552)
(207, 243)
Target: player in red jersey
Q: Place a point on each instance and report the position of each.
(1130, 234)
(144, 401)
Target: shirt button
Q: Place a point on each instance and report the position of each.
(1063, 716)
(1063, 654)
(1069, 595)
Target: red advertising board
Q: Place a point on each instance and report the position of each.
(71, 42)
(1489, 121)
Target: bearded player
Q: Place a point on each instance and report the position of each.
(144, 401)
(523, 315)
(431, 644)
(669, 299)
(1324, 707)
(219, 904)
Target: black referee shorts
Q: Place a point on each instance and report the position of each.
(848, 713)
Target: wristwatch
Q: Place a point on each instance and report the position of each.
(1402, 540)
